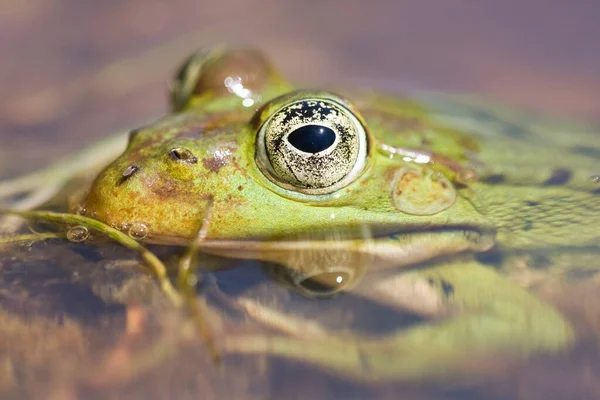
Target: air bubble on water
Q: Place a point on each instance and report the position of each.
(78, 234)
(138, 231)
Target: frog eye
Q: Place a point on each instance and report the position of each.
(312, 146)
(219, 71)
(186, 78)
(183, 155)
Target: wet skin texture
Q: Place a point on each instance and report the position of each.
(424, 180)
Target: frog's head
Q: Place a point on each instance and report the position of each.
(273, 162)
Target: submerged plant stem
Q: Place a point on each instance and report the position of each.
(187, 285)
(157, 267)
(30, 237)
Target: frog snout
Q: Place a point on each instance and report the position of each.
(146, 202)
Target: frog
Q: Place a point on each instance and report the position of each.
(328, 188)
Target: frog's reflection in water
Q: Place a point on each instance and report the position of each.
(334, 265)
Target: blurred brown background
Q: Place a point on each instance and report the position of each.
(73, 70)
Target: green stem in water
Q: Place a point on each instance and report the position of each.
(186, 270)
(30, 237)
(157, 267)
(186, 281)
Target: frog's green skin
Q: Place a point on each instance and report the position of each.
(534, 194)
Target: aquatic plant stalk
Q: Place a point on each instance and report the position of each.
(187, 285)
(157, 267)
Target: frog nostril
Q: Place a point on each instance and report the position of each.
(183, 155)
(132, 169)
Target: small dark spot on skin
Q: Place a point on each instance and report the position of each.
(532, 203)
(431, 281)
(493, 257)
(240, 188)
(508, 128)
(447, 288)
(495, 179)
(559, 176)
(587, 151)
(539, 261)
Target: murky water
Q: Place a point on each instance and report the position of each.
(80, 70)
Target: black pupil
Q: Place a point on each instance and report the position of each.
(312, 138)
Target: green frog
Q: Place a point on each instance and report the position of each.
(432, 193)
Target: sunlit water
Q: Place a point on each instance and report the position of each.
(65, 330)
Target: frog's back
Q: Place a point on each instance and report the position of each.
(538, 177)
(541, 183)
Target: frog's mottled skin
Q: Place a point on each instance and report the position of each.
(531, 190)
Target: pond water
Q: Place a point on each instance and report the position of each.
(88, 321)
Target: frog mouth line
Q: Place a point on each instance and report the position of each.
(381, 245)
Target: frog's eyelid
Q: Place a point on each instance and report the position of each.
(184, 155)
